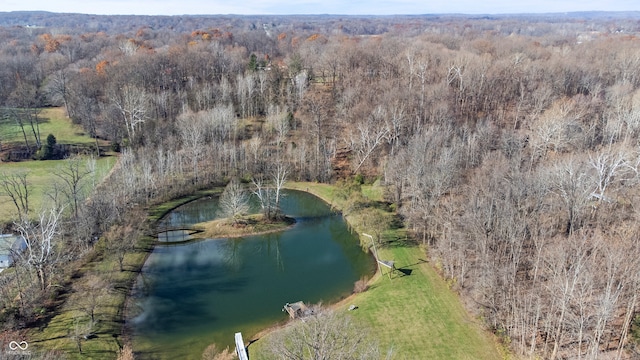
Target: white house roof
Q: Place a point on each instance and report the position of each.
(8, 244)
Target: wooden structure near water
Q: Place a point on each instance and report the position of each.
(387, 263)
(297, 310)
(241, 350)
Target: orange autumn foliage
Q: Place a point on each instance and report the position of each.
(51, 43)
(101, 67)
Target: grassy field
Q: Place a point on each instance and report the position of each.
(40, 173)
(414, 314)
(40, 177)
(51, 121)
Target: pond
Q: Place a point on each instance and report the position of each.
(194, 294)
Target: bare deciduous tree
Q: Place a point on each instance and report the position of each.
(95, 288)
(234, 201)
(369, 136)
(279, 174)
(81, 331)
(325, 335)
(278, 122)
(192, 133)
(264, 194)
(16, 187)
(25, 109)
(612, 166)
(571, 182)
(121, 241)
(40, 252)
(268, 188)
(73, 174)
(131, 104)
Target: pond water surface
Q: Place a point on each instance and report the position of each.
(194, 294)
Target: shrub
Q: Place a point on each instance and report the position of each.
(361, 285)
(212, 353)
(115, 146)
(49, 150)
(126, 353)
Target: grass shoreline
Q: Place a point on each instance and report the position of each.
(154, 214)
(417, 316)
(431, 328)
(112, 311)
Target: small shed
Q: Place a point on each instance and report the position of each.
(10, 244)
(297, 310)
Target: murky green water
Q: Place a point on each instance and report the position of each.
(198, 293)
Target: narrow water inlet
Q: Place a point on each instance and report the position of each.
(173, 236)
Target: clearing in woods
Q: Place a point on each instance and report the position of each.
(40, 173)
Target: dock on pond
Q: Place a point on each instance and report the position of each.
(241, 350)
(297, 310)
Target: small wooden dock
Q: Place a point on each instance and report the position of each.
(241, 350)
(297, 310)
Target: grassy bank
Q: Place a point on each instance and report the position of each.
(106, 340)
(156, 212)
(414, 314)
(101, 267)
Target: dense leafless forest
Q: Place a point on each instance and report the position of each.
(509, 145)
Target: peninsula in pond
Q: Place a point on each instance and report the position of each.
(234, 207)
(255, 224)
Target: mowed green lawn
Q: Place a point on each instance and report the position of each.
(417, 316)
(414, 314)
(40, 176)
(50, 121)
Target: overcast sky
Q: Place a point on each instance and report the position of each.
(348, 7)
